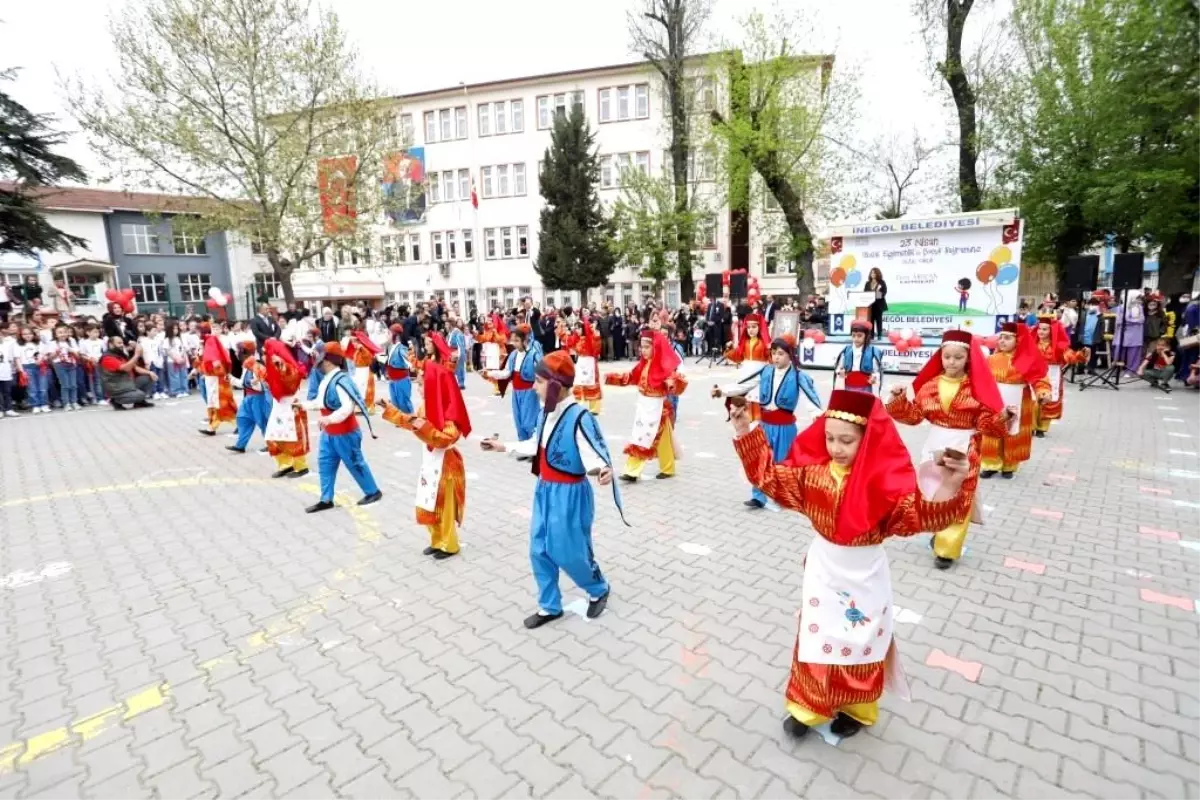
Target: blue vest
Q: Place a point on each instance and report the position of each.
(532, 356)
(398, 358)
(459, 343)
(872, 361)
(793, 384)
(333, 402)
(561, 451)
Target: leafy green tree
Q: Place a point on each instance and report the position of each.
(648, 224)
(28, 162)
(236, 102)
(575, 250)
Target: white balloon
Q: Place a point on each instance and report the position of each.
(222, 299)
(216, 294)
(906, 333)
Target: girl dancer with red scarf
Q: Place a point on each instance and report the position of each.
(656, 378)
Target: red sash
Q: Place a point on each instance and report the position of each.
(778, 417)
(858, 380)
(549, 473)
(520, 383)
(348, 425)
(396, 374)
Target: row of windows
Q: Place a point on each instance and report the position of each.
(145, 240)
(151, 287)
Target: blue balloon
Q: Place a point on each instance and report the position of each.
(1008, 274)
(853, 279)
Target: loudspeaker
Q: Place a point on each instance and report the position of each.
(737, 285)
(1081, 273)
(1127, 271)
(712, 286)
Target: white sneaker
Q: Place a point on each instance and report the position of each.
(11, 413)
(76, 407)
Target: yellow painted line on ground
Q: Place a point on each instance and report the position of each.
(41, 745)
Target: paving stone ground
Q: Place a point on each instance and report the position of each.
(172, 624)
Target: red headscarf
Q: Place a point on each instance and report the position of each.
(983, 383)
(215, 353)
(360, 338)
(498, 324)
(440, 348)
(443, 400)
(591, 340)
(282, 381)
(663, 361)
(1060, 342)
(882, 473)
(762, 326)
(1026, 359)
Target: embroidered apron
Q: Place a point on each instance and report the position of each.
(1055, 378)
(281, 423)
(585, 371)
(847, 615)
(647, 414)
(429, 478)
(361, 376)
(212, 391)
(939, 438)
(1011, 394)
(491, 355)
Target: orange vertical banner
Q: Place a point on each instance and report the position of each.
(335, 183)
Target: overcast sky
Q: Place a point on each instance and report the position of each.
(477, 40)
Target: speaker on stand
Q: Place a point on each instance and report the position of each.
(1126, 275)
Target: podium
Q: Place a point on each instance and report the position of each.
(861, 303)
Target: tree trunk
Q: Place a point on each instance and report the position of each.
(1177, 264)
(283, 270)
(800, 246)
(964, 101)
(679, 157)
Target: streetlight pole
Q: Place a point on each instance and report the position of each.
(476, 234)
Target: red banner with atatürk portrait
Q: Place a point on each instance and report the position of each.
(335, 182)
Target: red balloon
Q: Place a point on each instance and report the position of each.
(112, 296)
(902, 346)
(837, 276)
(915, 341)
(894, 336)
(816, 334)
(990, 342)
(986, 271)
(725, 278)
(210, 303)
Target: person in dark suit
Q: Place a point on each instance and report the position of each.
(264, 326)
(876, 284)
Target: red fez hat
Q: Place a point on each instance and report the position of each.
(249, 347)
(960, 337)
(860, 326)
(557, 366)
(1009, 327)
(850, 406)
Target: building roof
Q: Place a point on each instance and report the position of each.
(79, 198)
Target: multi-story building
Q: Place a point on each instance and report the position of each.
(493, 136)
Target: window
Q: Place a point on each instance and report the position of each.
(704, 94)
(485, 119)
(641, 100)
(460, 123)
(194, 288)
(623, 102)
(522, 240)
(387, 245)
(446, 124)
(642, 161)
(186, 244)
(470, 297)
(436, 238)
(701, 165)
(611, 167)
(148, 287)
(620, 103)
(486, 172)
(451, 248)
(256, 245)
(435, 188)
(468, 244)
(510, 297)
(414, 240)
(430, 127)
(517, 109)
(267, 285)
(405, 129)
(506, 242)
(502, 180)
(139, 240)
(560, 103)
(769, 201)
(501, 186)
(772, 264)
(543, 107)
(494, 298)
(83, 287)
(448, 186)
(489, 243)
(501, 111)
(365, 255)
(605, 105)
(464, 184)
(518, 179)
(607, 181)
(707, 232)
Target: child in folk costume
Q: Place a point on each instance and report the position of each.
(457, 342)
(958, 396)
(586, 386)
(287, 420)
(439, 424)
(215, 366)
(255, 409)
(341, 439)
(399, 372)
(851, 475)
(656, 376)
(860, 364)
(492, 352)
(751, 354)
(1054, 346)
(567, 447)
(360, 353)
(1020, 372)
(522, 361)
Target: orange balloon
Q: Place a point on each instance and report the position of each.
(986, 271)
(837, 276)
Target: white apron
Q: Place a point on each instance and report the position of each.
(1011, 394)
(939, 438)
(585, 371)
(491, 355)
(212, 391)
(281, 424)
(747, 381)
(1055, 378)
(429, 478)
(847, 613)
(360, 377)
(647, 414)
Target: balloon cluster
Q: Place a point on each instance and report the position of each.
(122, 297)
(846, 273)
(217, 298)
(997, 270)
(904, 339)
(753, 293)
(816, 334)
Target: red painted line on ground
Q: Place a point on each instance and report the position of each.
(1042, 512)
(1153, 490)
(1151, 596)
(1060, 477)
(1028, 566)
(1145, 530)
(968, 669)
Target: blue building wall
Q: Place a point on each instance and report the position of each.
(166, 263)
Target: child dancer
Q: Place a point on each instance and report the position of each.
(1021, 373)
(656, 376)
(860, 365)
(586, 386)
(567, 447)
(254, 410)
(399, 372)
(458, 346)
(441, 421)
(361, 352)
(287, 421)
(522, 362)
(215, 366)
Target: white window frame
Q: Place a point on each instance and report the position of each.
(624, 102)
(448, 186)
(641, 161)
(517, 109)
(187, 244)
(405, 129)
(387, 247)
(401, 248)
(431, 128)
(708, 228)
(141, 236)
(462, 125)
(435, 187)
(464, 184)
(445, 125)
(641, 96)
(485, 177)
(414, 241)
(451, 246)
(770, 259)
(518, 180)
(604, 105)
(468, 240)
(435, 240)
(483, 112)
(502, 186)
(499, 116)
(607, 179)
(490, 251)
(157, 283)
(522, 241)
(544, 117)
(194, 286)
(507, 242)
(267, 283)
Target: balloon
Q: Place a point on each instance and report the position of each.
(915, 341)
(725, 278)
(1000, 255)
(112, 296)
(907, 333)
(701, 292)
(1008, 274)
(210, 303)
(853, 279)
(215, 292)
(848, 262)
(986, 271)
(837, 276)
(228, 300)
(894, 336)
(816, 334)
(902, 346)
(990, 342)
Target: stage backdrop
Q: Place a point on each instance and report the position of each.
(954, 271)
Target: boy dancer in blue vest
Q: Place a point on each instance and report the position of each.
(521, 366)
(341, 440)
(256, 406)
(399, 372)
(860, 364)
(458, 343)
(566, 447)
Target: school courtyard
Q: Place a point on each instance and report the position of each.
(172, 624)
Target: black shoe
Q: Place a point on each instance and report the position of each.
(374, 497)
(662, 476)
(596, 607)
(144, 404)
(1040, 434)
(115, 406)
(428, 551)
(538, 620)
(753, 502)
(1008, 475)
(794, 727)
(629, 478)
(298, 473)
(264, 450)
(441, 555)
(206, 432)
(321, 505)
(987, 473)
(943, 563)
(282, 472)
(233, 448)
(845, 726)
(1165, 387)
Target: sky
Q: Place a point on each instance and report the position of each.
(879, 39)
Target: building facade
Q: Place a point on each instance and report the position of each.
(491, 138)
